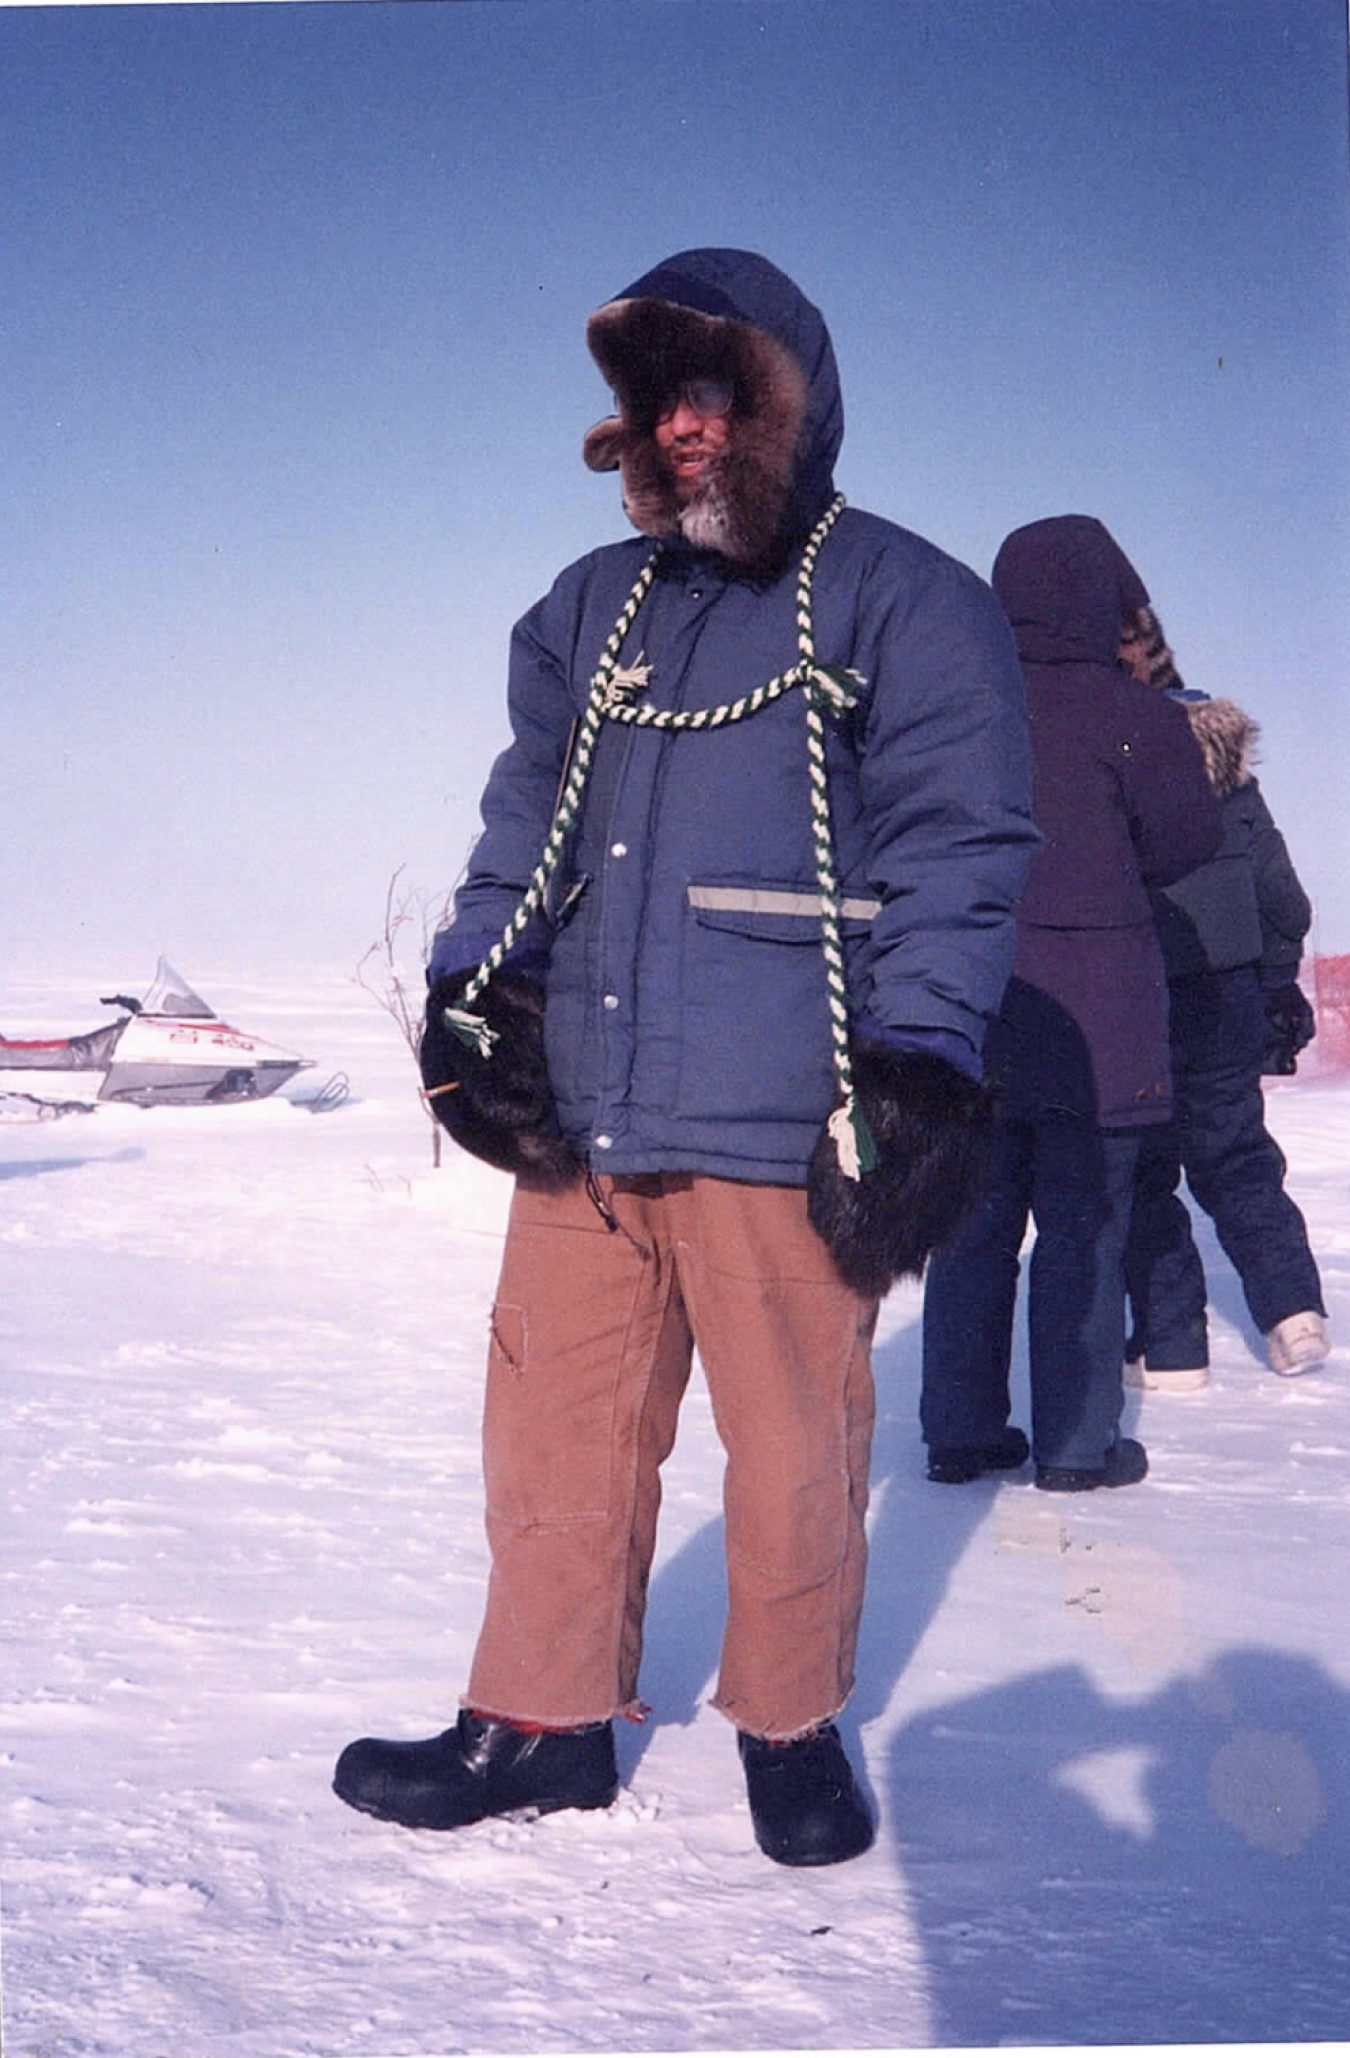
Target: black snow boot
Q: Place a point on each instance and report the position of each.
(804, 1801)
(1126, 1464)
(480, 1767)
(955, 1464)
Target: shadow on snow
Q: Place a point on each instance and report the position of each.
(1077, 1868)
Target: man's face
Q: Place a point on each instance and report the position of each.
(692, 431)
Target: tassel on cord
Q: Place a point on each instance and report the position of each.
(626, 679)
(471, 1029)
(854, 1144)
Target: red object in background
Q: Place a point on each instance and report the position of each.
(1328, 988)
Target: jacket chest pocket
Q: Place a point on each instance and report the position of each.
(754, 1020)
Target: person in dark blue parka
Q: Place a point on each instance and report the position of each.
(1231, 935)
(1079, 1051)
(715, 992)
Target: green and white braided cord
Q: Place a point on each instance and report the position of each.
(827, 689)
(471, 1027)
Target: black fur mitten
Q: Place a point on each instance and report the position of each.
(500, 1107)
(932, 1128)
(1290, 1026)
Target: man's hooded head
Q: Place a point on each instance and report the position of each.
(730, 316)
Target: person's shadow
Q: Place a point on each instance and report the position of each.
(1088, 1870)
(1077, 1868)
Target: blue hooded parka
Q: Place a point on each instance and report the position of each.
(686, 1022)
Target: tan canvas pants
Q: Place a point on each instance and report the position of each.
(592, 1338)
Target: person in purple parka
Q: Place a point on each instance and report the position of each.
(1079, 1050)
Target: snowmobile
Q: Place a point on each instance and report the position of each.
(168, 1050)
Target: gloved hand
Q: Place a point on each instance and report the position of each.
(1290, 1025)
(932, 1128)
(499, 1108)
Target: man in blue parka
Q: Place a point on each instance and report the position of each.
(715, 992)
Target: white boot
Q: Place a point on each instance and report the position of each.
(1166, 1378)
(1298, 1343)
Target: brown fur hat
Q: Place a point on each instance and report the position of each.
(645, 348)
(1162, 666)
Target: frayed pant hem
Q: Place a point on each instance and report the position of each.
(775, 1735)
(627, 1711)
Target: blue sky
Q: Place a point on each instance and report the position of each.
(292, 301)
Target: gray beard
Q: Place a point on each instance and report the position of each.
(738, 511)
(706, 521)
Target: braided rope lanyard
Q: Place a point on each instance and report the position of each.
(826, 689)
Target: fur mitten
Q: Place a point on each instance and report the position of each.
(500, 1107)
(932, 1127)
(1290, 1026)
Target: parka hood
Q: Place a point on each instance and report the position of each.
(1068, 588)
(725, 314)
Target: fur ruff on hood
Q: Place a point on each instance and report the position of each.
(1226, 733)
(1227, 736)
(723, 314)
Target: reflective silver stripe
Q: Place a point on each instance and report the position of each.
(766, 900)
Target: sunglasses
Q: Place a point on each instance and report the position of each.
(714, 397)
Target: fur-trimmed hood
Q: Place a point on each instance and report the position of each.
(724, 314)
(1227, 736)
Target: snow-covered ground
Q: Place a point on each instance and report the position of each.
(240, 1351)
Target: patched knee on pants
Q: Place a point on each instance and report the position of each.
(547, 1439)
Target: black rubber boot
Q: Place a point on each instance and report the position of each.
(1126, 1464)
(478, 1768)
(804, 1801)
(956, 1464)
